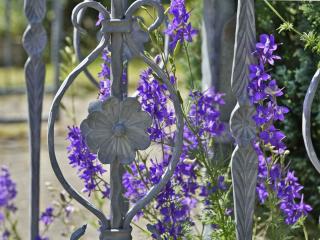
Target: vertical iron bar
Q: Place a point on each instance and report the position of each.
(34, 42)
(244, 161)
(118, 8)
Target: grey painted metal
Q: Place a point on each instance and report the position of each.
(306, 120)
(77, 48)
(34, 42)
(244, 165)
(118, 90)
(79, 55)
(116, 129)
(118, 228)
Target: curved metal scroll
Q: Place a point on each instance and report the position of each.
(55, 107)
(51, 123)
(106, 224)
(306, 120)
(77, 49)
(244, 165)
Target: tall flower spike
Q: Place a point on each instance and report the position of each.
(264, 93)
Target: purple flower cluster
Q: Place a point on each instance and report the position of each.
(179, 29)
(47, 216)
(8, 193)
(204, 113)
(87, 164)
(154, 99)
(104, 75)
(176, 202)
(272, 178)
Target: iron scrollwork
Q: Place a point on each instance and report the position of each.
(117, 28)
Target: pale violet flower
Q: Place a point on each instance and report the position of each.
(116, 129)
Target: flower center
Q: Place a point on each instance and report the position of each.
(119, 130)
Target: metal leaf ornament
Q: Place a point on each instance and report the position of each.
(116, 130)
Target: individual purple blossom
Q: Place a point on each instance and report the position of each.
(69, 209)
(274, 137)
(266, 44)
(100, 19)
(258, 72)
(265, 49)
(6, 235)
(47, 216)
(221, 183)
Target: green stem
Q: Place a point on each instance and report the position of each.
(189, 65)
(305, 232)
(279, 16)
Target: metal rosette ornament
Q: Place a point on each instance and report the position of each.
(116, 128)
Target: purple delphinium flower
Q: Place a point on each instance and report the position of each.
(81, 158)
(265, 49)
(100, 19)
(263, 93)
(204, 113)
(174, 205)
(154, 99)
(8, 191)
(47, 216)
(6, 235)
(105, 76)
(179, 29)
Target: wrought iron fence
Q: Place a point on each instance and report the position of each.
(116, 32)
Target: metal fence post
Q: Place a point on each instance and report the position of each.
(244, 165)
(34, 42)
